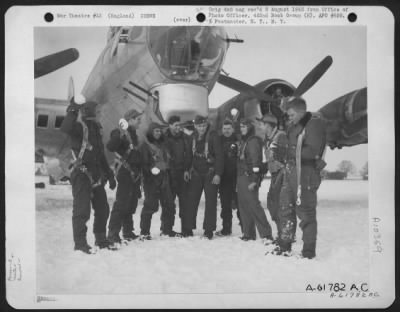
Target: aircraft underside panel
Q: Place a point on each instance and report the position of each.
(184, 100)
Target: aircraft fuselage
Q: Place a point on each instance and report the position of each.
(178, 66)
(162, 71)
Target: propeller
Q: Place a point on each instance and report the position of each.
(245, 88)
(52, 62)
(308, 81)
(313, 76)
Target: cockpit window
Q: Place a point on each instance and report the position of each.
(188, 53)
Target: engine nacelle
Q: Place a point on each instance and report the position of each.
(347, 120)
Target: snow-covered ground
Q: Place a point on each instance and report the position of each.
(194, 265)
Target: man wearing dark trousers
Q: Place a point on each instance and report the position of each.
(156, 184)
(179, 149)
(307, 139)
(227, 187)
(207, 164)
(252, 214)
(89, 173)
(124, 143)
(275, 151)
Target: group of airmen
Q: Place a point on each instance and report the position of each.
(174, 164)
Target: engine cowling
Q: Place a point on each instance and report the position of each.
(347, 119)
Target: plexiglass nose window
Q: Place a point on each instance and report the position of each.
(188, 53)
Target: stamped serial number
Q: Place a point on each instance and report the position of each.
(337, 287)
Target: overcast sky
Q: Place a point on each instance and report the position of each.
(267, 52)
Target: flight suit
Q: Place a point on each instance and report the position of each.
(203, 169)
(275, 151)
(178, 148)
(252, 214)
(157, 188)
(227, 187)
(88, 177)
(312, 148)
(128, 177)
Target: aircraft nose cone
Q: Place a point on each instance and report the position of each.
(184, 53)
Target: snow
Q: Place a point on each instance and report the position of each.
(199, 266)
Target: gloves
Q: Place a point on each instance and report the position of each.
(111, 182)
(155, 171)
(216, 180)
(123, 124)
(76, 103)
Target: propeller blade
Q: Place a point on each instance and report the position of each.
(52, 62)
(245, 88)
(313, 76)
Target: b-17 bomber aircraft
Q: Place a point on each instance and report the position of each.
(164, 71)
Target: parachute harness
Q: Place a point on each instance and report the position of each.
(77, 161)
(121, 160)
